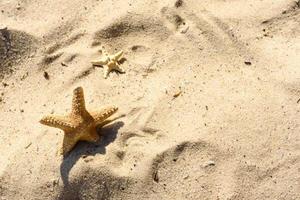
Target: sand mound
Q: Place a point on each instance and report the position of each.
(132, 25)
(15, 47)
(86, 184)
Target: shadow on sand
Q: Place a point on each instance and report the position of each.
(108, 135)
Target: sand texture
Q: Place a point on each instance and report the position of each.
(209, 103)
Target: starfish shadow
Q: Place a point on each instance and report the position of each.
(122, 60)
(108, 135)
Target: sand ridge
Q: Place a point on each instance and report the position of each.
(231, 133)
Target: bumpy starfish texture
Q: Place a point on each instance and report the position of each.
(110, 62)
(79, 124)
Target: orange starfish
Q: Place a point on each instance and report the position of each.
(79, 124)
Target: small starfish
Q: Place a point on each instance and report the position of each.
(110, 62)
(79, 124)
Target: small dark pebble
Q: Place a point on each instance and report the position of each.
(178, 3)
(266, 21)
(84, 156)
(155, 177)
(46, 75)
(63, 64)
(248, 63)
(4, 84)
(298, 101)
(55, 182)
(209, 163)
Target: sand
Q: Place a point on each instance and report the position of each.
(211, 98)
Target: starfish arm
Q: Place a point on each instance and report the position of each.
(78, 103)
(109, 120)
(119, 68)
(91, 135)
(103, 114)
(57, 122)
(101, 62)
(69, 142)
(118, 55)
(105, 71)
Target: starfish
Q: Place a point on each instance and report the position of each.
(110, 62)
(79, 124)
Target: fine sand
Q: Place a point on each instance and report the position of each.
(211, 98)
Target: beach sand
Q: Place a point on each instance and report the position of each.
(211, 98)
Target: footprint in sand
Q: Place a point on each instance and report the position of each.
(136, 127)
(174, 20)
(191, 163)
(60, 49)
